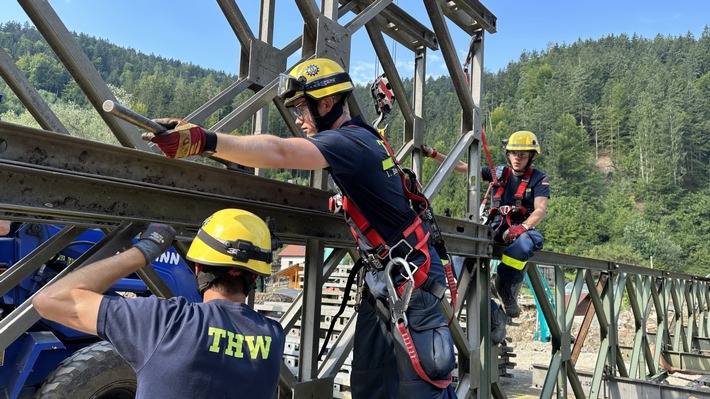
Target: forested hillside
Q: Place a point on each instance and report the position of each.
(623, 121)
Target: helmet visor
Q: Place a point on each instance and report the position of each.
(289, 86)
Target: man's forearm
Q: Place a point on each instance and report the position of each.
(100, 275)
(255, 151)
(268, 151)
(534, 219)
(460, 167)
(74, 299)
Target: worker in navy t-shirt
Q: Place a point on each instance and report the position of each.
(220, 348)
(523, 193)
(315, 91)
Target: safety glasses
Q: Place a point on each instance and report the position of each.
(300, 111)
(519, 154)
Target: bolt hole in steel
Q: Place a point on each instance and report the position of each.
(3, 145)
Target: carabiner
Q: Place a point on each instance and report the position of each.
(399, 305)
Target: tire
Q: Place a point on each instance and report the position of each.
(93, 372)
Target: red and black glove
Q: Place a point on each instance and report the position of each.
(514, 232)
(183, 139)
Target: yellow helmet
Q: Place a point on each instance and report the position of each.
(233, 238)
(316, 78)
(523, 141)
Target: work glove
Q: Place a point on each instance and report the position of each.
(154, 240)
(183, 139)
(429, 151)
(514, 232)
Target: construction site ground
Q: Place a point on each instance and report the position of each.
(529, 352)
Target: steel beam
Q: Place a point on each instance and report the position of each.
(24, 316)
(448, 51)
(469, 15)
(310, 312)
(70, 154)
(624, 388)
(28, 95)
(688, 363)
(35, 259)
(242, 113)
(447, 167)
(399, 25)
(80, 67)
(90, 199)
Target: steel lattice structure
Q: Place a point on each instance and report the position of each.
(48, 176)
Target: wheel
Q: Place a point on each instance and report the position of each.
(93, 372)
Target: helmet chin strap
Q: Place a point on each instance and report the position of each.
(326, 121)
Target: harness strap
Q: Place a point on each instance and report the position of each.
(494, 178)
(383, 314)
(523, 186)
(451, 282)
(414, 356)
(501, 186)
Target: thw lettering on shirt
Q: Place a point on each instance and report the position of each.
(238, 345)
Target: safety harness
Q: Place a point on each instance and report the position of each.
(505, 212)
(375, 250)
(412, 238)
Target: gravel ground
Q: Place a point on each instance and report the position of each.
(529, 352)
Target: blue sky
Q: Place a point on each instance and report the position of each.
(197, 32)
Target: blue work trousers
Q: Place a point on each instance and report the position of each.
(382, 368)
(519, 250)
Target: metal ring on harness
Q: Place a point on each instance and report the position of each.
(404, 258)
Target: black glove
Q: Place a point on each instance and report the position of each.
(154, 240)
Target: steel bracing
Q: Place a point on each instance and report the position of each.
(57, 178)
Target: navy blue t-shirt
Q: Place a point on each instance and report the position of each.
(364, 171)
(538, 186)
(180, 349)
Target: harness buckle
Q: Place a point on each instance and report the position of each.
(398, 305)
(381, 251)
(374, 262)
(505, 209)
